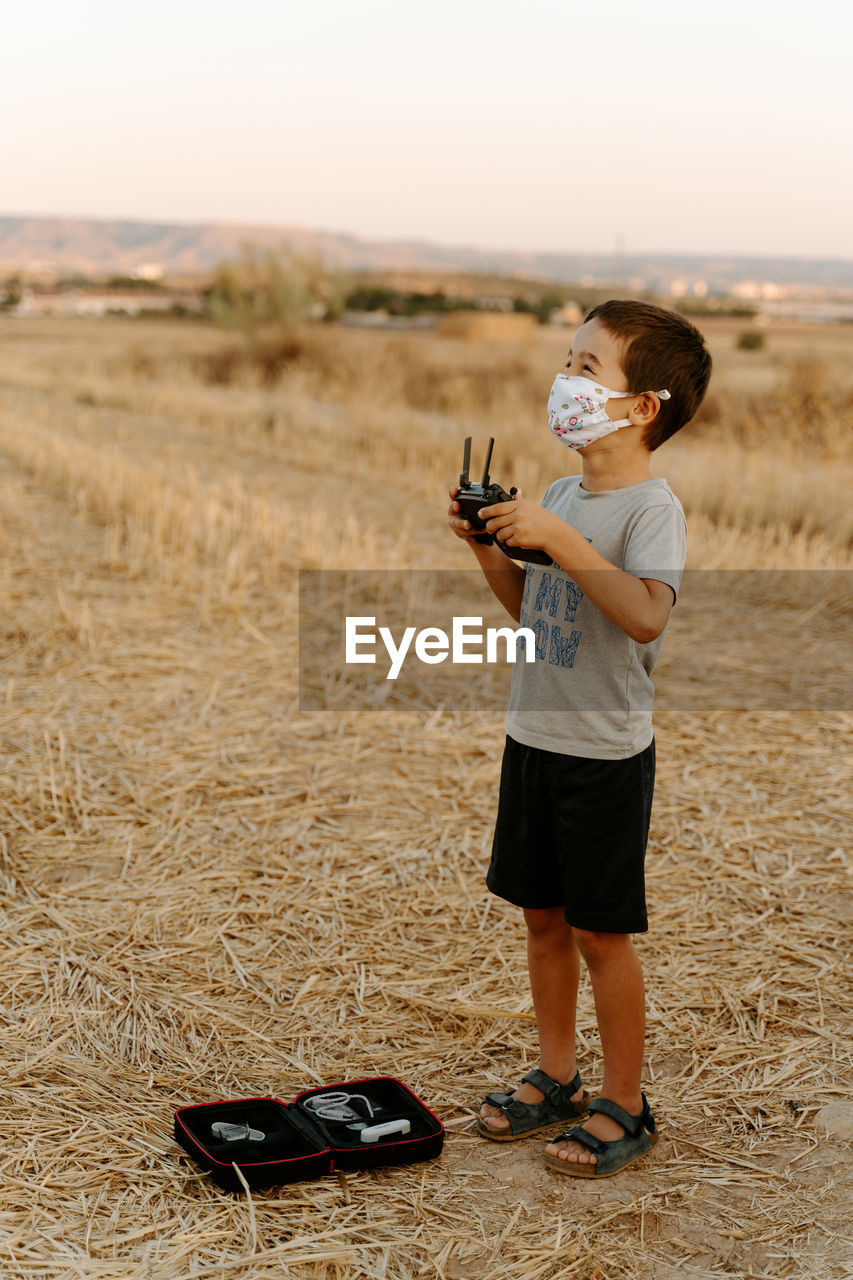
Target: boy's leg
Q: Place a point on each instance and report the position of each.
(617, 985)
(554, 965)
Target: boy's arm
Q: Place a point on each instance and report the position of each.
(638, 606)
(505, 577)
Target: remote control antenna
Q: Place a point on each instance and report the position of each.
(488, 461)
(466, 462)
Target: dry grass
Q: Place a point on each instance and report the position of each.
(764, 475)
(205, 893)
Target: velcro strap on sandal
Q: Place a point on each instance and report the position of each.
(500, 1100)
(631, 1124)
(553, 1090)
(584, 1137)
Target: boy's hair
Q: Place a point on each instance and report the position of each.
(662, 350)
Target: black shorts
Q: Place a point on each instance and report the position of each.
(571, 832)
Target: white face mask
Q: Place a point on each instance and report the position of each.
(576, 413)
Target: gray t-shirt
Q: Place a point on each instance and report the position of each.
(589, 692)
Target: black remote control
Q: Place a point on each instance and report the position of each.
(473, 495)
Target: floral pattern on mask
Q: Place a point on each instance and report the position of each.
(577, 415)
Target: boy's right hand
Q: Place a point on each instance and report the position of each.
(460, 526)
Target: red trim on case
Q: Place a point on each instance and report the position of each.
(257, 1164)
(244, 1164)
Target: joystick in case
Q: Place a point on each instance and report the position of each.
(473, 495)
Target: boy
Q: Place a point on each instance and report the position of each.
(578, 768)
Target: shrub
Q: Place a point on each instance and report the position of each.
(273, 289)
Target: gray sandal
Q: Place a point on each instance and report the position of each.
(640, 1136)
(526, 1118)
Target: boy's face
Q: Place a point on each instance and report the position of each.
(597, 355)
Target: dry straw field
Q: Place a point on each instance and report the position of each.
(207, 893)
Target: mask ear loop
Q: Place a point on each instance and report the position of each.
(662, 395)
(626, 422)
(618, 423)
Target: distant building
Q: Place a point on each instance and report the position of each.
(493, 302)
(570, 313)
(102, 302)
(149, 271)
(384, 320)
(752, 290)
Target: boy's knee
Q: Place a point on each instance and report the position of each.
(595, 946)
(547, 922)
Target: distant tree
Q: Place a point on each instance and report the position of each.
(134, 282)
(370, 297)
(548, 302)
(417, 303)
(11, 293)
(750, 340)
(76, 281)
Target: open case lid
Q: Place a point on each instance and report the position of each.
(280, 1145)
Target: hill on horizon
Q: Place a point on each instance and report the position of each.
(97, 246)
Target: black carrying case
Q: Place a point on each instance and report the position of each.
(297, 1144)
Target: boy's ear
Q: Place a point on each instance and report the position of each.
(645, 409)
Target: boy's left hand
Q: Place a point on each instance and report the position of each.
(520, 523)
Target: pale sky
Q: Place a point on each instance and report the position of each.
(661, 126)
